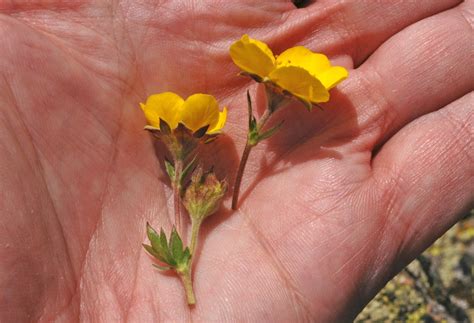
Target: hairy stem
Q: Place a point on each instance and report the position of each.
(240, 173)
(185, 276)
(178, 164)
(195, 227)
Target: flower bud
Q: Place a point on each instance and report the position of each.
(204, 194)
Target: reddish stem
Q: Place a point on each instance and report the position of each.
(240, 173)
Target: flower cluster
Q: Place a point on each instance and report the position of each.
(182, 125)
(296, 73)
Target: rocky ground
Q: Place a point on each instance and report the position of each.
(436, 287)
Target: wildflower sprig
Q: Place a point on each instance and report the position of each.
(182, 125)
(297, 73)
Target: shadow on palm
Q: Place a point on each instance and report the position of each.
(305, 136)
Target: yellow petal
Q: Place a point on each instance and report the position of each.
(331, 77)
(252, 56)
(166, 106)
(200, 110)
(302, 57)
(300, 83)
(220, 124)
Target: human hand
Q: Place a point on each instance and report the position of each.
(332, 206)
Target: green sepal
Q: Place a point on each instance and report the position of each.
(170, 170)
(200, 132)
(164, 127)
(270, 132)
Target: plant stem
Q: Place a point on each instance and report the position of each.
(245, 156)
(185, 276)
(178, 167)
(240, 173)
(195, 227)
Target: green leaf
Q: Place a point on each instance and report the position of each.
(162, 267)
(149, 249)
(186, 256)
(187, 169)
(270, 132)
(170, 170)
(152, 252)
(163, 240)
(252, 120)
(152, 236)
(176, 246)
(165, 249)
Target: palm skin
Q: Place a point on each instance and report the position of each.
(332, 206)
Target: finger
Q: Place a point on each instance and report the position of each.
(427, 171)
(355, 28)
(417, 71)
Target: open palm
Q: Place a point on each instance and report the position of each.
(331, 208)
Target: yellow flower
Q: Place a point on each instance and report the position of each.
(196, 112)
(306, 75)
